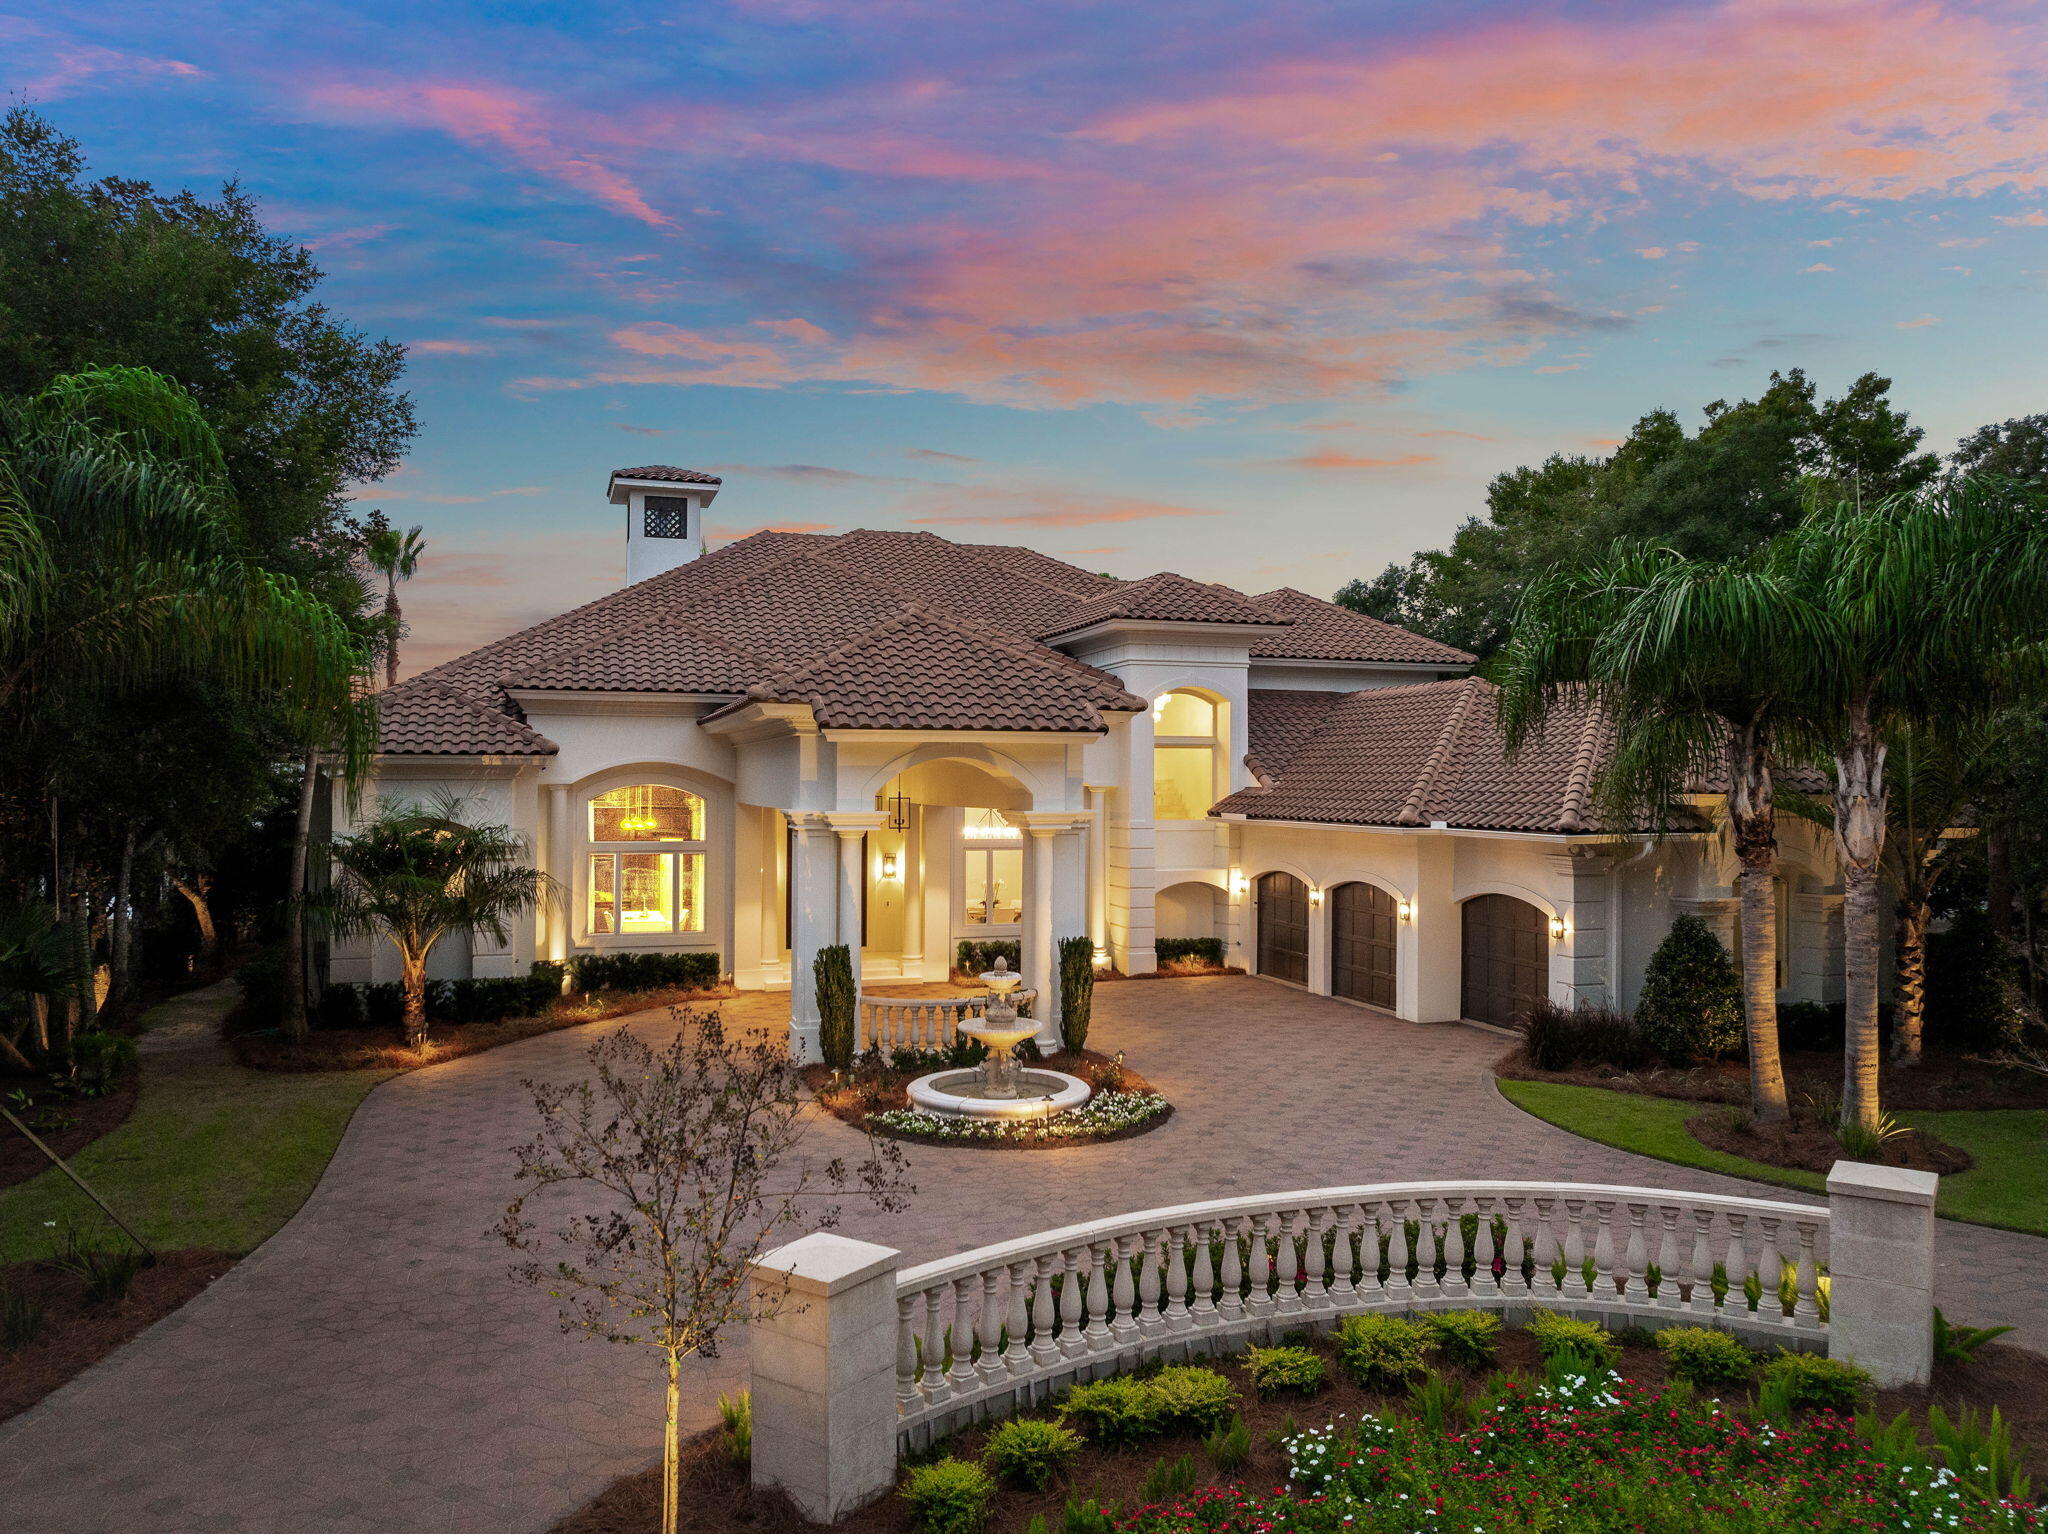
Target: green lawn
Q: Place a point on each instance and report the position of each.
(215, 1154)
(2007, 1187)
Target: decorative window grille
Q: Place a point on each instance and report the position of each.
(666, 516)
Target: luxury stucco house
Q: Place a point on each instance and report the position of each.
(897, 741)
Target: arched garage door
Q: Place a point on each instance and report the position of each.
(1507, 959)
(1362, 944)
(1283, 927)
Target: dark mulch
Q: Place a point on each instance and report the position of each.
(717, 1498)
(384, 1049)
(1811, 1146)
(76, 1335)
(66, 1124)
(1942, 1081)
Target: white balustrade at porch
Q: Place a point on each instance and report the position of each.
(920, 1022)
(1003, 1327)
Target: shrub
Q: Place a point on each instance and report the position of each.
(1557, 1334)
(1077, 990)
(21, 1319)
(100, 1060)
(1807, 1379)
(1810, 1025)
(977, 957)
(1088, 1517)
(1556, 1038)
(1958, 1344)
(1230, 1446)
(106, 1271)
(591, 972)
(1467, 1337)
(1975, 1000)
(948, 1496)
(736, 1417)
(1276, 1369)
(1031, 1452)
(1703, 1357)
(261, 980)
(837, 1002)
(1168, 1479)
(1192, 1399)
(1381, 1352)
(1691, 1005)
(1182, 950)
(1114, 1412)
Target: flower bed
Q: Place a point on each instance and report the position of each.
(1106, 1116)
(873, 1096)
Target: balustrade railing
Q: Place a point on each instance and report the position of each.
(921, 1022)
(1014, 1320)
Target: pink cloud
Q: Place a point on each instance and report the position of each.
(2032, 220)
(1333, 459)
(449, 348)
(1921, 323)
(47, 63)
(1560, 367)
(990, 506)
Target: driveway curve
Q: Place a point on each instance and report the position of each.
(372, 1368)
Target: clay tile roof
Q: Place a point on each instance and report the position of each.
(428, 718)
(670, 473)
(1413, 756)
(1165, 598)
(928, 670)
(662, 655)
(1276, 723)
(1324, 631)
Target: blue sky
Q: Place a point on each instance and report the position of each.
(1262, 293)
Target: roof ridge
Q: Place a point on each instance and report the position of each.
(971, 550)
(1453, 727)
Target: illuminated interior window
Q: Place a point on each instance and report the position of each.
(647, 812)
(994, 887)
(636, 892)
(1185, 756)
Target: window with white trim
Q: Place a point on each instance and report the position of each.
(644, 872)
(1186, 759)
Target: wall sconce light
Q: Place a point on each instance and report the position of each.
(1239, 884)
(1557, 928)
(1405, 911)
(889, 865)
(1315, 896)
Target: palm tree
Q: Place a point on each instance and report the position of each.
(1691, 663)
(1926, 606)
(416, 874)
(394, 554)
(38, 965)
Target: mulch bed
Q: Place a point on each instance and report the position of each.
(717, 1498)
(89, 1118)
(384, 1049)
(1811, 1146)
(866, 1093)
(76, 1335)
(1941, 1082)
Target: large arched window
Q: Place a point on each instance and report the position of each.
(645, 868)
(1186, 762)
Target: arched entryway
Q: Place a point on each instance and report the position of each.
(1507, 959)
(1283, 927)
(1362, 918)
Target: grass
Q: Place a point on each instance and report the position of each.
(2008, 1187)
(214, 1155)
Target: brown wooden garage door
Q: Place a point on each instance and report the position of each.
(1362, 944)
(1283, 927)
(1507, 959)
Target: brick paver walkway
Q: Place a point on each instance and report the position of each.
(371, 1367)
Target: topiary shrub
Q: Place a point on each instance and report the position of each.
(1114, 1412)
(1556, 1334)
(1274, 1370)
(1467, 1337)
(1807, 1379)
(1691, 1005)
(948, 1496)
(1381, 1352)
(1704, 1357)
(1077, 991)
(837, 1000)
(1030, 1452)
(1192, 1399)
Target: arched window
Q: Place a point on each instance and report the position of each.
(1186, 761)
(632, 889)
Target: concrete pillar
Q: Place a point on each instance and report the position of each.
(913, 895)
(561, 914)
(1318, 940)
(852, 893)
(1582, 960)
(1438, 943)
(822, 1349)
(814, 914)
(1881, 1270)
(1039, 971)
(1098, 873)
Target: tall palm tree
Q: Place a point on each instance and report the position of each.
(1925, 607)
(1692, 663)
(393, 553)
(414, 874)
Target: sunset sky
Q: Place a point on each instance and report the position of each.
(1263, 293)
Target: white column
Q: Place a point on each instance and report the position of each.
(913, 895)
(1438, 943)
(851, 826)
(814, 907)
(1582, 960)
(1098, 873)
(1038, 965)
(822, 1350)
(1881, 1270)
(1318, 940)
(561, 914)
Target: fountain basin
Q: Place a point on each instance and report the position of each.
(962, 1094)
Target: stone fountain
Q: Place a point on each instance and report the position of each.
(1001, 1087)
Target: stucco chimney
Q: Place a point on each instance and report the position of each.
(664, 516)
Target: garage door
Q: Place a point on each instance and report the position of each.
(1507, 959)
(1362, 944)
(1283, 927)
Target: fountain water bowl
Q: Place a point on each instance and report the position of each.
(1000, 1087)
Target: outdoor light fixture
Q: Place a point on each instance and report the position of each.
(888, 865)
(1315, 896)
(1407, 911)
(899, 813)
(1239, 884)
(1557, 927)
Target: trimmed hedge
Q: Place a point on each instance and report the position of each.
(975, 957)
(494, 999)
(1209, 950)
(643, 971)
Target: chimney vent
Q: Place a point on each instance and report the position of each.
(664, 516)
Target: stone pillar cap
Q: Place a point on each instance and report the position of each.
(826, 1263)
(1899, 1185)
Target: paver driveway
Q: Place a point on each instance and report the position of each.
(372, 1368)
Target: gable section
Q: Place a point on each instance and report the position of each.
(429, 718)
(954, 577)
(1163, 598)
(1326, 631)
(664, 655)
(1277, 722)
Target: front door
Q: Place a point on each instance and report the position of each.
(1283, 927)
(1362, 944)
(1507, 959)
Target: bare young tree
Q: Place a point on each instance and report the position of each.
(693, 1147)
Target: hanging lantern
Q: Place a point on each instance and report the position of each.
(899, 812)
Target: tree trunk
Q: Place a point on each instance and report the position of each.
(672, 1451)
(391, 634)
(124, 921)
(1909, 1000)
(1998, 881)
(39, 1024)
(294, 1024)
(195, 891)
(1859, 843)
(88, 968)
(1753, 817)
(414, 980)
